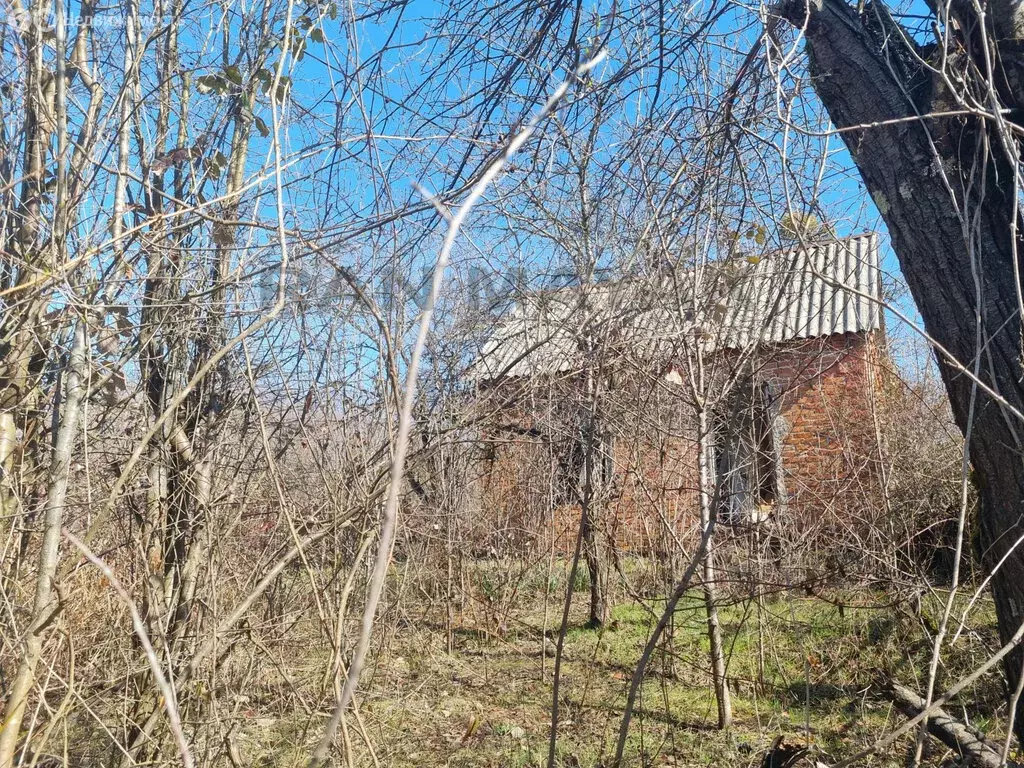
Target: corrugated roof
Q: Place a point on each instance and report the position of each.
(824, 289)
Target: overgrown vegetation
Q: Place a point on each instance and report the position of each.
(275, 491)
(486, 701)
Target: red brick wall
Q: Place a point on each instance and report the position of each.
(829, 451)
(654, 493)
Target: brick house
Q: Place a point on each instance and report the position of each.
(601, 386)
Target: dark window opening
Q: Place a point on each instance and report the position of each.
(569, 473)
(747, 455)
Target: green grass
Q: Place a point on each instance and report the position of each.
(798, 666)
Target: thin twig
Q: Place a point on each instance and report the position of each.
(166, 689)
(387, 531)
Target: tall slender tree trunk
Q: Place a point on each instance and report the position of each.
(589, 503)
(717, 654)
(8, 443)
(44, 605)
(598, 615)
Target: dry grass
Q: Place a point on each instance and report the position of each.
(487, 702)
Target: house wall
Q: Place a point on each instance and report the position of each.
(828, 457)
(830, 447)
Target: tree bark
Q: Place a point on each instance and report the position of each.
(598, 615)
(944, 187)
(717, 647)
(590, 505)
(44, 605)
(973, 747)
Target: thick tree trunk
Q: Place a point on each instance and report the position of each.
(945, 191)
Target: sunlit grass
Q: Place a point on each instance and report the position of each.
(799, 665)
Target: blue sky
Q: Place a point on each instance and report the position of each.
(409, 100)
